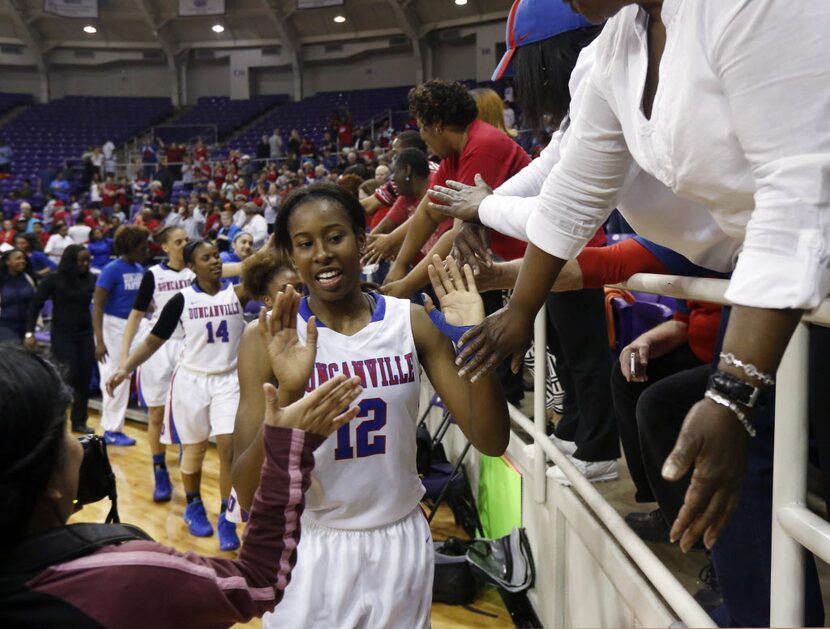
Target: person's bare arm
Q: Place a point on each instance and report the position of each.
(657, 342)
(99, 300)
(149, 346)
(479, 408)
(371, 204)
(503, 276)
(418, 277)
(253, 372)
(421, 226)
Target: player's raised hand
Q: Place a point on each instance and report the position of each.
(320, 412)
(291, 360)
(460, 302)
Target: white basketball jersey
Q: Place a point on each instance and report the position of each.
(365, 474)
(213, 326)
(168, 283)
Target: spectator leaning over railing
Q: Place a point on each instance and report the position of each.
(734, 64)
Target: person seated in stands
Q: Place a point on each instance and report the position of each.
(7, 232)
(255, 224)
(100, 248)
(109, 194)
(41, 234)
(263, 150)
(327, 143)
(366, 152)
(11, 204)
(40, 482)
(59, 186)
(275, 143)
(26, 191)
(294, 142)
(200, 150)
(307, 149)
(242, 247)
(187, 174)
(293, 161)
(26, 214)
(386, 135)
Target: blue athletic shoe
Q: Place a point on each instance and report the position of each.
(197, 521)
(228, 540)
(163, 489)
(118, 439)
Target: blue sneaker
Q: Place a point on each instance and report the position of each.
(163, 489)
(196, 518)
(118, 439)
(228, 540)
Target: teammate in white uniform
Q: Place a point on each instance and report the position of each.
(364, 536)
(159, 284)
(204, 392)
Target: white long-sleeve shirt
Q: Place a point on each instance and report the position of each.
(651, 208)
(740, 123)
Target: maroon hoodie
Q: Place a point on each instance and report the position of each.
(146, 584)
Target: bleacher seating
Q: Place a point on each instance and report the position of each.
(10, 101)
(64, 128)
(229, 115)
(310, 115)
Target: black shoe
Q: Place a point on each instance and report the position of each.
(650, 527)
(82, 429)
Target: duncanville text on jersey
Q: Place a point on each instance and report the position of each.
(384, 371)
(173, 285)
(219, 310)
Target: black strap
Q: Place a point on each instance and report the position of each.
(64, 544)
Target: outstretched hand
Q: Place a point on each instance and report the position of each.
(712, 444)
(319, 412)
(379, 247)
(460, 302)
(471, 245)
(458, 200)
(291, 361)
(501, 335)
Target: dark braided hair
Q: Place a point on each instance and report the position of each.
(33, 402)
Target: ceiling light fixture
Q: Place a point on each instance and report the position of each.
(89, 29)
(339, 19)
(218, 28)
(461, 3)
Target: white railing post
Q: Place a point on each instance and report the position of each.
(789, 482)
(539, 416)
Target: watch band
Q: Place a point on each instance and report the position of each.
(737, 390)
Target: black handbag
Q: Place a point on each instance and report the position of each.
(96, 479)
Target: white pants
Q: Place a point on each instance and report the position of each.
(199, 406)
(113, 407)
(154, 376)
(375, 578)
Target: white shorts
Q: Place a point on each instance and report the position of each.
(373, 578)
(200, 406)
(154, 376)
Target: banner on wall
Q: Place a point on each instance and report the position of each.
(317, 4)
(195, 8)
(71, 8)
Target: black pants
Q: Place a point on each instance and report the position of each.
(510, 382)
(578, 338)
(649, 416)
(75, 353)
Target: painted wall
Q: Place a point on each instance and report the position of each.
(123, 79)
(375, 70)
(454, 61)
(20, 80)
(208, 78)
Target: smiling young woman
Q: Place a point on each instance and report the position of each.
(363, 517)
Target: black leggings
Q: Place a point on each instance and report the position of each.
(75, 353)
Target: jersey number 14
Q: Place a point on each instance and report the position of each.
(368, 444)
(220, 333)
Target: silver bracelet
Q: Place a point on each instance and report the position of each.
(732, 406)
(748, 368)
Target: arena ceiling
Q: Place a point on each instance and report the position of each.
(156, 24)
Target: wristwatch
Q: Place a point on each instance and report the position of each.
(28, 335)
(737, 390)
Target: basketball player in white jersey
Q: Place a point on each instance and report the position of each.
(204, 392)
(159, 284)
(365, 538)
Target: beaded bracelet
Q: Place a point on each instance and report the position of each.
(748, 368)
(732, 406)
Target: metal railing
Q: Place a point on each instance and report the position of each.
(676, 596)
(794, 526)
